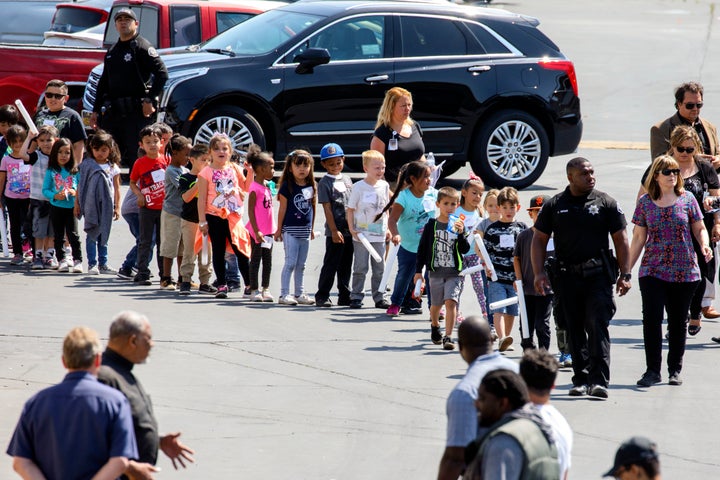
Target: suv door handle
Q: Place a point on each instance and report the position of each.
(376, 78)
(479, 69)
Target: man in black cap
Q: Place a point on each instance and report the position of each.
(636, 459)
(130, 85)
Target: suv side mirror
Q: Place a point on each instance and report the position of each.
(311, 58)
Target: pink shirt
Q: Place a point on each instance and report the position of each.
(223, 192)
(264, 217)
(17, 182)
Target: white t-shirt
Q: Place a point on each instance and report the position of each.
(563, 435)
(367, 201)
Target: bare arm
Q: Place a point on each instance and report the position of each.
(202, 187)
(337, 236)
(27, 469)
(701, 235)
(116, 197)
(78, 149)
(252, 199)
(112, 469)
(452, 463)
(314, 209)
(175, 450)
(395, 213)
(281, 216)
(190, 193)
(377, 145)
(25, 149)
(622, 248)
(538, 251)
(350, 215)
(136, 190)
(518, 268)
(638, 242)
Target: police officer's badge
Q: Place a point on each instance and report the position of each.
(593, 209)
(152, 52)
(128, 57)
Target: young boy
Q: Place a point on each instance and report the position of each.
(537, 306)
(499, 239)
(199, 158)
(66, 120)
(368, 198)
(171, 241)
(333, 194)
(15, 186)
(442, 245)
(147, 181)
(35, 152)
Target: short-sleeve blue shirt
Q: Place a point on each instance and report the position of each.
(72, 429)
(415, 215)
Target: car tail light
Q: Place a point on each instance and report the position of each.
(564, 66)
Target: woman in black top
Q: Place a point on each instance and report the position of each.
(397, 136)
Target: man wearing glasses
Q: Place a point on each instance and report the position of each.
(688, 102)
(66, 120)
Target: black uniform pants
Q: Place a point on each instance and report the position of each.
(337, 262)
(588, 306)
(125, 129)
(538, 312)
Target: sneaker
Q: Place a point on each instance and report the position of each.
(167, 283)
(142, 279)
(393, 310)
(565, 360)
(184, 288)
(448, 344)
(267, 296)
(50, 263)
(598, 391)
(28, 256)
(206, 289)
(305, 300)
(107, 270)
(64, 265)
(287, 300)
(675, 379)
(382, 304)
(344, 302)
(578, 391)
(232, 286)
(222, 291)
(493, 334)
(504, 343)
(247, 293)
(323, 303)
(510, 348)
(93, 270)
(37, 264)
(256, 297)
(411, 311)
(435, 335)
(125, 273)
(17, 259)
(356, 304)
(78, 267)
(193, 285)
(649, 378)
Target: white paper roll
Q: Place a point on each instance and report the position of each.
(418, 289)
(389, 263)
(503, 303)
(3, 232)
(205, 251)
(470, 270)
(480, 247)
(522, 310)
(28, 119)
(363, 239)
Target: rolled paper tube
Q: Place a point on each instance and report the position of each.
(522, 310)
(363, 239)
(205, 251)
(480, 245)
(503, 303)
(389, 263)
(3, 233)
(470, 270)
(26, 116)
(318, 234)
(418, 289)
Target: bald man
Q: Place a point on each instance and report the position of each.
(475, 345)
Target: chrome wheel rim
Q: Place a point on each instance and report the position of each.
(514, 150)
(239, 134)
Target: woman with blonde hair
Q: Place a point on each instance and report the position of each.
(666, 219)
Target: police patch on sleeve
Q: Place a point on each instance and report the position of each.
(152, 52)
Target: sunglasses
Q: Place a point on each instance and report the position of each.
(56, 96)
(670, 171)
(685, 149)
(691, 106)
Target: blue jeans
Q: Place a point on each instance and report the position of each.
(500, 291)
(96, 248)
(232, 272)
(406, 272)
(296, 252)
(133, 221)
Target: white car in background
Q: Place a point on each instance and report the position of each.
(89, 38)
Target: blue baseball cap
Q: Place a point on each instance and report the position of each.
(331, 150)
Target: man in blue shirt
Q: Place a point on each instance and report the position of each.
(78, 429)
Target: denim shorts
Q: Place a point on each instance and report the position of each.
(500, 291)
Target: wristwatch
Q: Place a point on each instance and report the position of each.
(626, 276)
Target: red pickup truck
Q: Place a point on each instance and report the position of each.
(25, 69)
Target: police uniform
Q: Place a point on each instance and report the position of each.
(133, 72)
(580, 226)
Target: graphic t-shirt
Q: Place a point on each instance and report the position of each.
(149, 175)
(223, 192)
(472, 222)
(299, 212)
(443, 259)
(500, 239)
(264, 217)
(335, 190)
(17, 182)
(67, 121)
(189, 209)
(416, 213)
(57, 182)
(367, 201)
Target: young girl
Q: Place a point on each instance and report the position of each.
(492, 215)
(262, 223)
(60, 187)
(297, 196)
(221, 189)
(413, 204)
(98, 199)
(15, 189)
(470, 198)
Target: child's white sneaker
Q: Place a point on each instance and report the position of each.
(305, 300)
(256, 296)
(94, 270)
(267, 296)
(287, 300)
(64, 265)
(78, 267)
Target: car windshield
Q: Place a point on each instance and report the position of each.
(263, 33)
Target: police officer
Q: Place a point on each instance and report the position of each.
(580, 219)
(128, 90)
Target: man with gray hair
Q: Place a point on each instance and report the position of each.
(130, 343)
(78, 428)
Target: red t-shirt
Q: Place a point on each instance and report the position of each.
(149, 175)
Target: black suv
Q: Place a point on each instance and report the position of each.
(488, 87)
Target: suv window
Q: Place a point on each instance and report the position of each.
(227, 20)
(359, 38)
(184, 26)
(489, 43)
(429, 37)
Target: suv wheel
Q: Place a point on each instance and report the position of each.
(236, 123)
(511, 150)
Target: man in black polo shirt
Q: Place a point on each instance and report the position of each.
(130, 343)
(580, 218)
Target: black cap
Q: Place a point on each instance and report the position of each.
(125, 12)
(633, 451)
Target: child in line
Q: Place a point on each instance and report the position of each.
(15, 188)
(147, 181)
(35, 151)
(413, 204)
(492, 215)
(500, 238)
(199, 158)
(171, 243)
(333, 194)
(9, 116)
(470, 199)
(60, 187)
(369, 198)
(98, 199)
(297, 196)
(222, 186)
(262, 222)
(442, 246)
